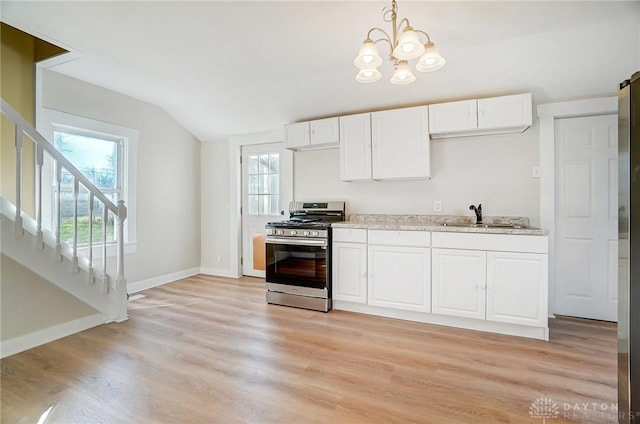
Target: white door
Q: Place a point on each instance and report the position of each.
(587, 217)
(267, 189)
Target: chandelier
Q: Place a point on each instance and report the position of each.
(404, 48)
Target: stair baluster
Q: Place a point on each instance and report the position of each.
(91, 205)
(76, 189)
(105, 277)
(39, 163)
(18, 220)
(58, 207)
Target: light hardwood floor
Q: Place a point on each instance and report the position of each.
(209, 350)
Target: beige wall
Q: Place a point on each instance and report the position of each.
(27, 299)
(18, 53)
(168, 174)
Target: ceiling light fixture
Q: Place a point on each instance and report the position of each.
(404, 48)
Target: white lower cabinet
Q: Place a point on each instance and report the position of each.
(350, 272)
(507, 287)
(458, 282)
(517, 288)
(399, 277)
(349, 268)
(490, 282)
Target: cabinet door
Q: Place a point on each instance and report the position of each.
(400, 277)
(349, 272)
(296, 135)
(517, 288)
(325, 132)
(400, 143)
(453, 116)
(355, 147)
(459, 280)
(505, 112)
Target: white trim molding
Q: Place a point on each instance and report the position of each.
(47, 335)
(547, 114)
(149, 283)
(217, 272)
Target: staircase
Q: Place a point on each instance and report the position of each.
(41, 249)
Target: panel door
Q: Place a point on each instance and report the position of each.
(325, 131)
(459, 282)
(296, 135)
(349, 272)
(517, 288)
(267, 189)
(400, 278)
(355, 147)
(505, 111)
(400, 143)
(587, 217)
(453, 116)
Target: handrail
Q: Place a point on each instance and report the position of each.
(118, 310)
(27, 128)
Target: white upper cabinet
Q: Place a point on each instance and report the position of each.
(400, 140)
(453, 116)
(355, 147)
(493, 115)
(505, 112)
(318, 134)
(325, 132)
(296, 135)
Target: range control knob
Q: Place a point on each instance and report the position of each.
(306, 233)
(270, 232)
(293, 232)
(315, 234)
(280, 232)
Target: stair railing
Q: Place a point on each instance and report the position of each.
(119, 211)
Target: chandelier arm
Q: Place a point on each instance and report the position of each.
(386, 36)
(405, 20)
(422, 32)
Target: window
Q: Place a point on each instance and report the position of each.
(107, 155)
(99, 158)
(264, 184)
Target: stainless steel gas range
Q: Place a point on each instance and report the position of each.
(299, 255)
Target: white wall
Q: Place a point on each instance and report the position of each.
(215, 208)
(168, 174)
(494, 170)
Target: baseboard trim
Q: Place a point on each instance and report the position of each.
(218, 272)
(48, 335)
(160, 280)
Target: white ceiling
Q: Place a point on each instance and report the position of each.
(236, 67)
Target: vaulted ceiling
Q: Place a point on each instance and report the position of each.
(224, 68)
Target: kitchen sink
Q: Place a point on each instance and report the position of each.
(505, 226)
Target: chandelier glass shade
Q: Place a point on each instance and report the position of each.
(403, 48)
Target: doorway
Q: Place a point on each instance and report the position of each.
(267, 175)
(548, 115)
(587, 217)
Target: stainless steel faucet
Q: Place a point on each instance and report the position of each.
(478, 212)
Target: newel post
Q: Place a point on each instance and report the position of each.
(121, 282)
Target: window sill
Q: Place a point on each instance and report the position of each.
(112, 249)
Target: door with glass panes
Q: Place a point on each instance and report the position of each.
(267, 189)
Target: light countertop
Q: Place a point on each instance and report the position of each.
(441, 223)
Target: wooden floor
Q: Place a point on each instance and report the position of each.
(209, 350)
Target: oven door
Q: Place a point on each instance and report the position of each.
(296, 265)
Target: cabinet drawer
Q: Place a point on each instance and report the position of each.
(495, 242)
(350, 235)
(400, 238)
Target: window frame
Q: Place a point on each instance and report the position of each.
(53, 120)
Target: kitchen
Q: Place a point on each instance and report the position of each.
(495, 170)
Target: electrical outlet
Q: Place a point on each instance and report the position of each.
(535, 172)
(437, 205)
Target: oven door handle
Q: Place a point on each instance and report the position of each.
(296, 242)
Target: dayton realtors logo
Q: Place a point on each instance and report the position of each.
(544, 408)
